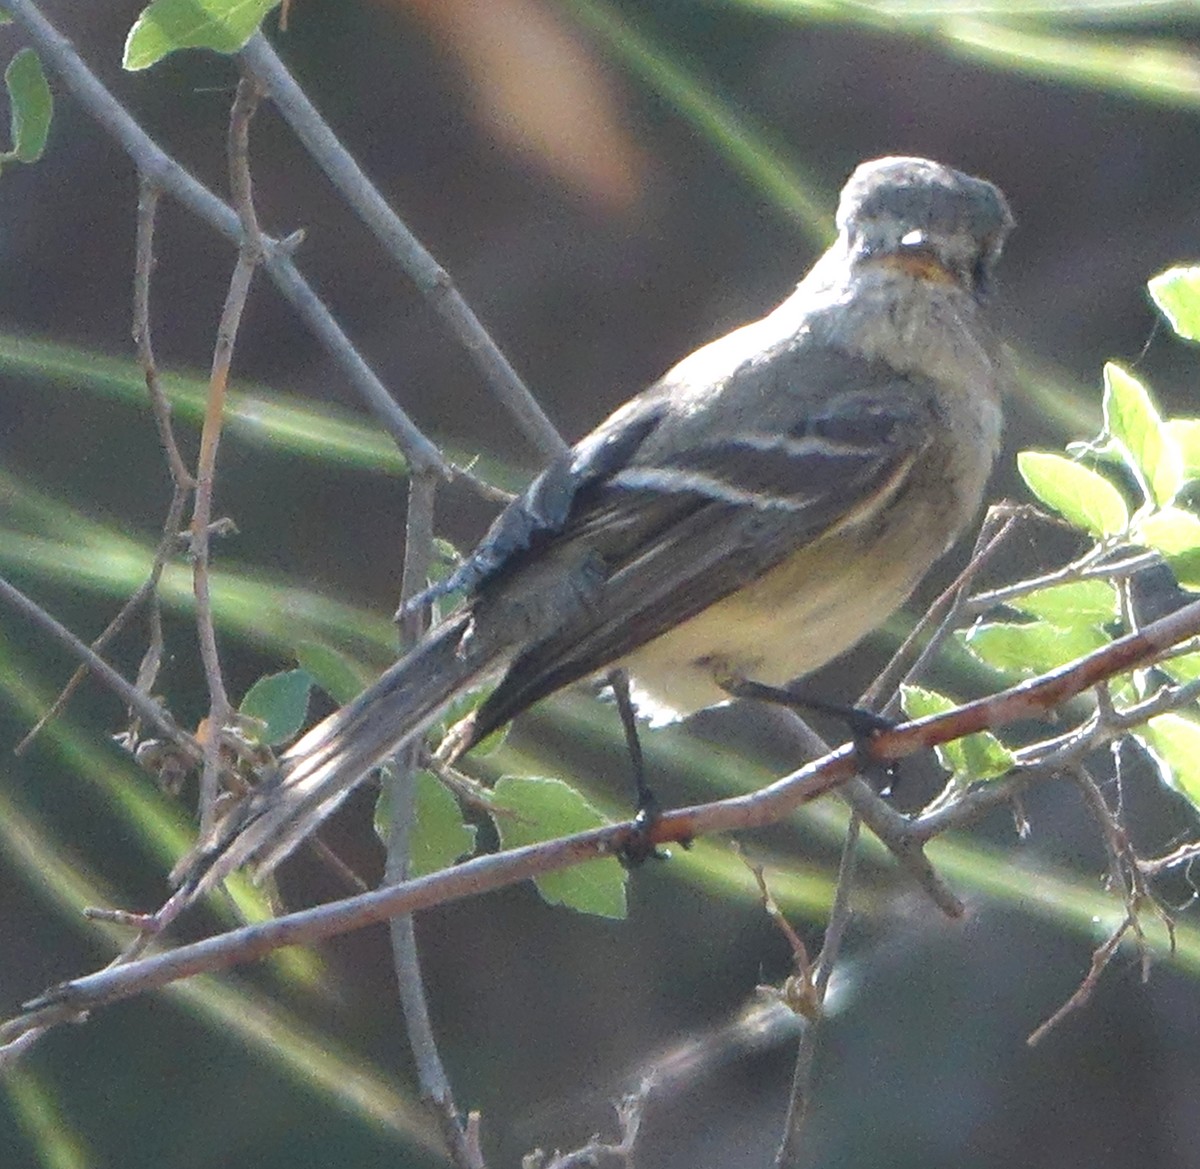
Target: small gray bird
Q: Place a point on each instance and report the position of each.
(754, 513)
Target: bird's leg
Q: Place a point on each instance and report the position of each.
(639, 848)
(862, 724)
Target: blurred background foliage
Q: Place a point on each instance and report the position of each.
(610, 184)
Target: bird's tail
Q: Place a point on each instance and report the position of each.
(317, 773)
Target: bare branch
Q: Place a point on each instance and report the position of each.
(400, 777)
(129, 694)
(182, 483)
(160, 169)
(249, 257)
(1101, 957)
(1092, 565)
(890, 827)
(630, 1112)
(148, 197)
(261, 62)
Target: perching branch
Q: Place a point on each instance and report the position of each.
(484, 874)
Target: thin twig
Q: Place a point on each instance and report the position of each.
(802, 994)
(159, 168)
(129, 694)
(1049, 758)
(249, 257)
(791, 1151)
(148, 197)
(630, 1113)
(890, 827)
(1183, 855)
(1101, 957)
(400, 777)
(262, 63)
(181, 480)
(944, 613)
(1090, 566)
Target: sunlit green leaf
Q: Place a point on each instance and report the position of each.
(1186, 433)
(530, 810)
(31, 104)
(1133, 421)
(1080, 602)
(1171, 531)
(1176, 534)
(1186, 567)
(1185, 668)
(1034, 648)
(280, 703)
(922, 703)
(1174, 742)
(1080, 495)
(168, 25)
(1177, 293)
(974, 757)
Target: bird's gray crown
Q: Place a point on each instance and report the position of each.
(895, 205)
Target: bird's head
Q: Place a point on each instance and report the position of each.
(924, 219)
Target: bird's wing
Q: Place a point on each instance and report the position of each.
(651, 543)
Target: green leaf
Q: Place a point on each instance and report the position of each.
(1081, 602)
(439, 837)
(1080, 495)
(921, 703)
(1173, 741)
(332, 671)
(1035, 648)
(1176, 534)
(975, 757)
(32, 106)
(1177, 293)
(280, 703)
(1171, 531)
(530, 810)
(168, 25)
(1186, 433)
(1183, 669)
(1133, 420)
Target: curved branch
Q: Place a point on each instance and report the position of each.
(487, 873)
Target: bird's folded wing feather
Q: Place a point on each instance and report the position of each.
(668, 537)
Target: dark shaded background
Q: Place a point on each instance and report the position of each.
(599, 237)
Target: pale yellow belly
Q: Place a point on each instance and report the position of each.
(788, 623)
